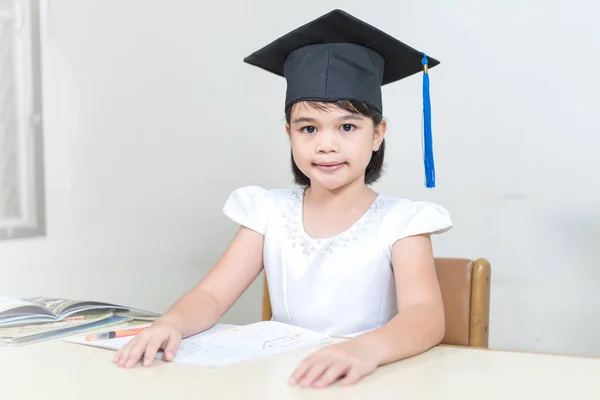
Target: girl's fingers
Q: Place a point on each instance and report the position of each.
(117, 355)
(123, 350)
(135, 353)
(312, 373)
(171, 348)
(332, 374)
(151, 349)
(146, 345)
(352, 376)
(124, 353)
(300, 371)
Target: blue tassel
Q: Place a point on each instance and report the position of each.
(427, 135)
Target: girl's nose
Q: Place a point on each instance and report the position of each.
(327, 142)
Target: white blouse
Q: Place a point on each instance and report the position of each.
(343, 285)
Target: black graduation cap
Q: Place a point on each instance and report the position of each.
(339, 57)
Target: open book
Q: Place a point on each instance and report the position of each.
(42, 309)
(224, 345)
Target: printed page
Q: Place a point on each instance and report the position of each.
(106, 324)
(20, 331)
(246, 343)
(13, 307)
(117, 343)
(64, 308)
(7, 303)
(224, 345)
(56, 306)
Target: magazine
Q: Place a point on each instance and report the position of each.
(16, 312)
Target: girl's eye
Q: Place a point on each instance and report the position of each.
(348, 127)
(309, 129)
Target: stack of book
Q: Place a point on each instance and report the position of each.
(41, 319)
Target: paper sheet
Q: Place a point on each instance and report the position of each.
(224, 345)
(7, 303)
(246, 343)
(116, 344)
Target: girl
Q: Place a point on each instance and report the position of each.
(339, 257)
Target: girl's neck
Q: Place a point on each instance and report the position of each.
(354, 195)
(327, 213)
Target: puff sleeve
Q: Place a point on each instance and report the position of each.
(415, 218)
(248, 206)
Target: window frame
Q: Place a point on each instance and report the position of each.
(30, 149)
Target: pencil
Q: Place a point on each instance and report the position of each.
(113, 334)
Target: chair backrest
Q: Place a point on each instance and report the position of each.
(465, 287)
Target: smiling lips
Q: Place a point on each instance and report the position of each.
(329, 167)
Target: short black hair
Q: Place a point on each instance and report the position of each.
(375, 167)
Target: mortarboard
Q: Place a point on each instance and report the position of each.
(339, 57)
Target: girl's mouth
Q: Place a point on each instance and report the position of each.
(329, 167)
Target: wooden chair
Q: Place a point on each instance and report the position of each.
(465, 286)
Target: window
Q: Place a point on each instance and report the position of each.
(21, 160)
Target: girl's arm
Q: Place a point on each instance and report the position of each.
(418, 326)
(201, 307)
(236, 269)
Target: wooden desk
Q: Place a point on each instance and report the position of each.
(67, 371)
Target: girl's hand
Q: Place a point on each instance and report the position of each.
(160, 335)
(349, 361)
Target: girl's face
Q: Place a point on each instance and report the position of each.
(332, 146)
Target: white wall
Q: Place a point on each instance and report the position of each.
(151, 115)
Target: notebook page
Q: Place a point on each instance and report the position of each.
(224, 345)
(117, 343)
(246, 343)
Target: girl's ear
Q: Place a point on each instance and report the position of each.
(379, 135)
(287, 129)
